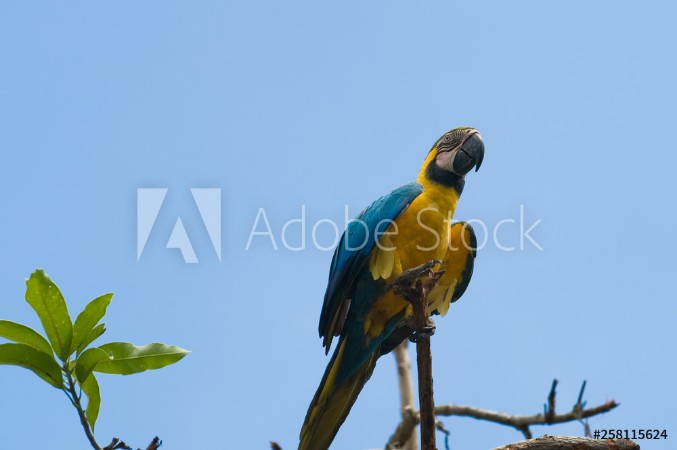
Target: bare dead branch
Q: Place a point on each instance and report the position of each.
(414, 286)
(154, 444)
(406, 384)
(117, 444)
(518, 422)
(405, 428)
(548, 442)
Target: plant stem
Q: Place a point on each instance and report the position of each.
(78, 407)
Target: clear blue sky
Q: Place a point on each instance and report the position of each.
(325, 105)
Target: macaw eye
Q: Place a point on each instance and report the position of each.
(453, 138)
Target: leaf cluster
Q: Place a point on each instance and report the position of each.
(66, 358)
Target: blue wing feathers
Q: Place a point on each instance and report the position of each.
(351, 255)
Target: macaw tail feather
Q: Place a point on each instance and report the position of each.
(333, 400)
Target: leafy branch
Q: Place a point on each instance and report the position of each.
(70, 342)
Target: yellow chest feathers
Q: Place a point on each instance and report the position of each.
(419, 234)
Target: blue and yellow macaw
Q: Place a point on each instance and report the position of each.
(402, 230)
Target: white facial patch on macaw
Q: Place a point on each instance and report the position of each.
(445, 160)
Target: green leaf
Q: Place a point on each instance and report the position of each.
(93, 335)
(46, 299)
(91, 389)
(44, 366)
(24, 335)
(87, 361)
(126, 359)
(88, 318)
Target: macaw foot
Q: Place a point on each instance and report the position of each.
(417, 281)
(409, 276)
(426, 331)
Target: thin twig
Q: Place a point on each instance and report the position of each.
(549, 409)
(526, 431)
(440, 426)
(580, 394)
(117, 444)
(578, 408)
(78, 406)
(154, 444)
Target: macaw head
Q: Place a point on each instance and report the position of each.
(453, 156)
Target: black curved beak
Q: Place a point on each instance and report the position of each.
(469, 155)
